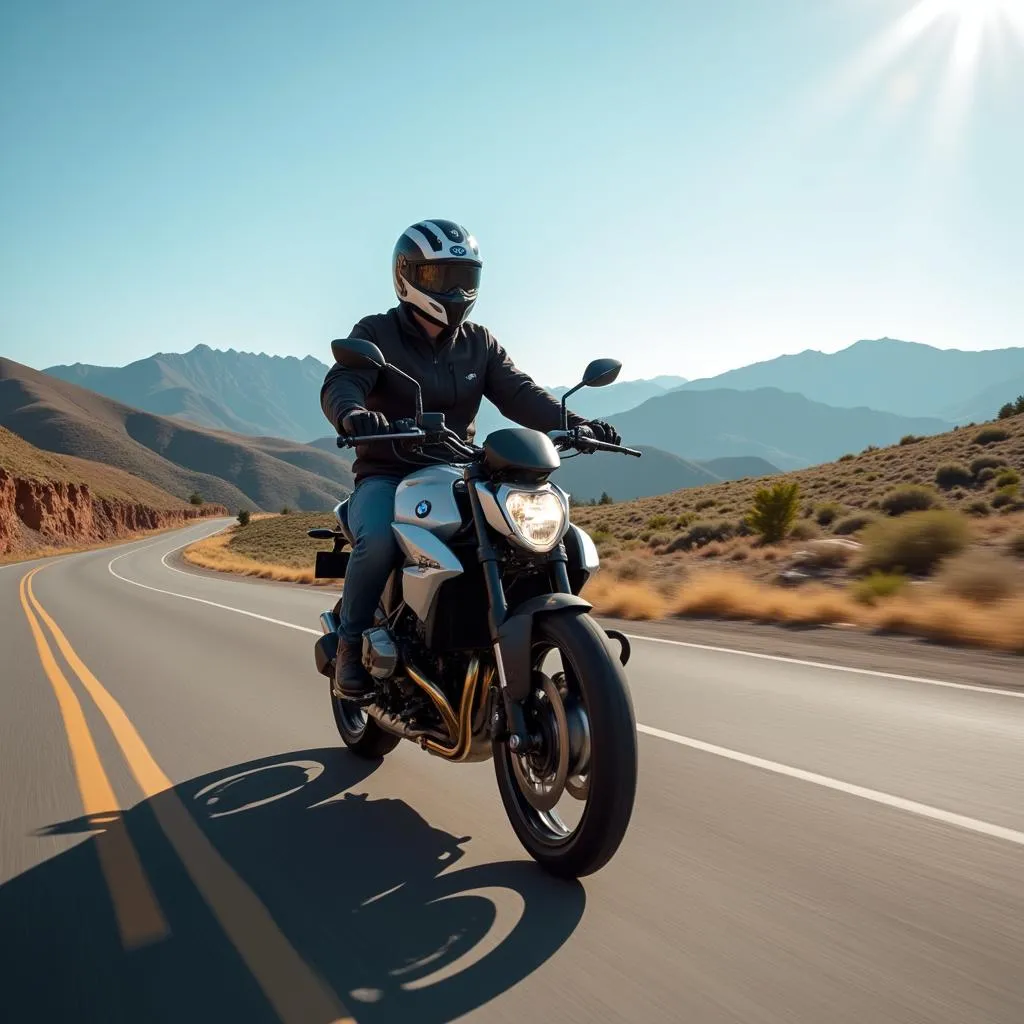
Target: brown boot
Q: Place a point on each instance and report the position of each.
(351, 680)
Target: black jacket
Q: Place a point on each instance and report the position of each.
(456, 371)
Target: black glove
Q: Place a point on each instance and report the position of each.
(602, 431)
(361, 423)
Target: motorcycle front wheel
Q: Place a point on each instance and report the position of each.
(570, 800)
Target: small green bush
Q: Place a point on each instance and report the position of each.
(195, 498)
(1004, 498)
(632, 569)
(915, 543)
(659, 522)
(286, 511)
(1016, 545)
(848, 457)
(870, 448)
(1008, 478)
(985, 475)
(990, 435)
(853, 523)
(684, 520)
(877, 585)
(774, 510)
(704, 503)
(701, 534)
(987, 462)
(910, 439)
(907, 498)
(979, 508)
(659, 540)
(828, 513)
(953, 474)
(243, 517)
(804, 530)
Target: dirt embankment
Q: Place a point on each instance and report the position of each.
(61, 513)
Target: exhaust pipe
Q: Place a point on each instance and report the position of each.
(394, 725)
(325, 650)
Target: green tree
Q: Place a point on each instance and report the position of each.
(774, 510)
(606, 499)
(195, 498)
(243, 517)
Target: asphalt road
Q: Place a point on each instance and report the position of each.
(183, 839)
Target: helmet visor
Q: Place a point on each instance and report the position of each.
(445, 277)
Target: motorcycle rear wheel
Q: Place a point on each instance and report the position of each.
(594, 681)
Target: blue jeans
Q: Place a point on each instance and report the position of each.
(371, 511)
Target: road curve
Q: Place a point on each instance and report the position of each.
(181, 837)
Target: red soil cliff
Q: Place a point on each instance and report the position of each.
(62, 513)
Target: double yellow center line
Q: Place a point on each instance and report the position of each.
(297, 994)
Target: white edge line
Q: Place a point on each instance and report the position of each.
(201, 600)
(977, 688)
(873, 795)
(984, 828)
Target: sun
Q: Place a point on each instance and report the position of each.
(968, 31)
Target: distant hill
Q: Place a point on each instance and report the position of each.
(739, 467)
(235, 471)
(242, 392)
(788, 430)
(987, 403)
(625, 477)
(892, 376)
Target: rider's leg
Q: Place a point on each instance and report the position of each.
(374, 553)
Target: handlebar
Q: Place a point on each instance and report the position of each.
(563, 439)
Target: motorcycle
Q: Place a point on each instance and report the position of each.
(482, 647)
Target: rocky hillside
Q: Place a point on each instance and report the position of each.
(50, 501)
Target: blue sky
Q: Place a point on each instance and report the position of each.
(688, 186)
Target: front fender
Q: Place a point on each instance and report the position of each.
(515, 634)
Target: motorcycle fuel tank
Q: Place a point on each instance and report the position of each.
(426, 499)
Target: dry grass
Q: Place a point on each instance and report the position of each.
(272, 547)
(928, 612)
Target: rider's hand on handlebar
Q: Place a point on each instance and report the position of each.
(601, 431)
(362, 423)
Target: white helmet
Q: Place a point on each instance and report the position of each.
(436, 266)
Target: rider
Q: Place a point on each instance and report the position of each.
(436, 269)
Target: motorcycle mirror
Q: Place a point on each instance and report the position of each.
(356, 354)
(601, 372)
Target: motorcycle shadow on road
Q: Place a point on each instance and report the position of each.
(364, 890)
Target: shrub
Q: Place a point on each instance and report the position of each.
(848, 457)
(195, 498)
(804, 530)
(953, 474)
(243, 517)
(870, 448)
(684, 520)
(990, 435)
(632, 569)
(705, 503)
(1012, 408)
(659, 540)
(907, 498)
(701, 534)
(286, 511)
(774, 510)
(658, 522)
(980, 576)
(853, 523)
(605, 499)
(1008, 478)
(987, 462)
(1016, 545)
(985, 475)
(910, 439)
(828, 513)
(876, 585)
(979, 508)
(1004, 497)
(915, 543)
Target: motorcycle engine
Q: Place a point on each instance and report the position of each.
(380, 655)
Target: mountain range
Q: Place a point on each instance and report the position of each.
(230, 469)
(892, 376)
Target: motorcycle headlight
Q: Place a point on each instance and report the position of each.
(537, 516)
